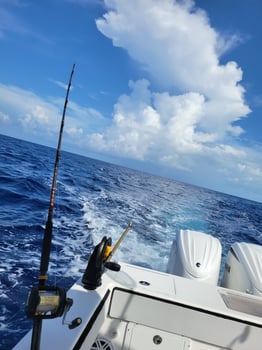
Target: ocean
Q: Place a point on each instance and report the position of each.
(94, 199)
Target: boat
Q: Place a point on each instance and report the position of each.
(195, 305)
(122, 306)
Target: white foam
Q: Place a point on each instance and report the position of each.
(136, 248)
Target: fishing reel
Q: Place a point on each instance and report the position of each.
(45, 302)
(97, 262)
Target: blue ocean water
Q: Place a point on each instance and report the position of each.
(94, 199)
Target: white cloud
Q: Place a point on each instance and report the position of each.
(30, 114)
(27, 108)
(176, 44)
(191, 121)
(165, 129)
(60, 84)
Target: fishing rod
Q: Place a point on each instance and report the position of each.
(46, 247)
(117, 245)
(47, 301)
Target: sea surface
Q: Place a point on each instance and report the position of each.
(94, 199)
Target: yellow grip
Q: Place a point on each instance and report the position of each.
(107, 251)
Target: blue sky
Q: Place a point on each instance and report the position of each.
(164, 86)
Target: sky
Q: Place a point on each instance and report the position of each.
(169, 87)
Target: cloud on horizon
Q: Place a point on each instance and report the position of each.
(31, 115)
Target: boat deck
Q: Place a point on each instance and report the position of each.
(137, 309)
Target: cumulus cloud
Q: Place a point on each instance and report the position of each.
(32, 114)
(174, 42)
(199, 100)
(148, 125)
(31, 111)
(188, 120)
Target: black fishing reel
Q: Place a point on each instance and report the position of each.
(98, 260)
(47, 302)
